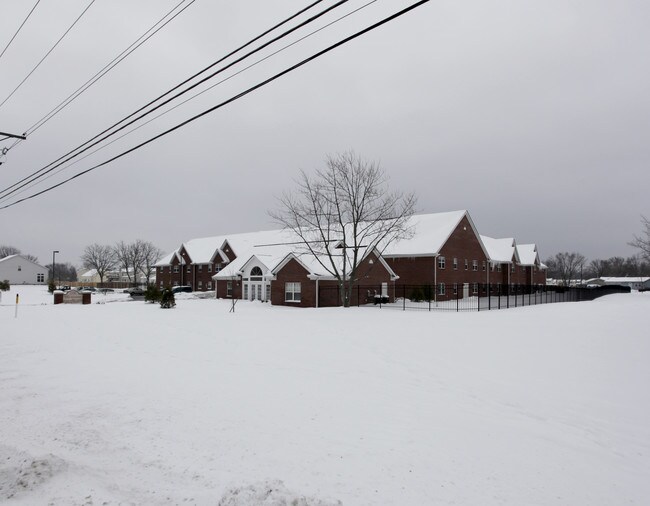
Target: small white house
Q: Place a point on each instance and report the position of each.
(19, 270)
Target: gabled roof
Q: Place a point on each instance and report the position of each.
(10, 257)
(527, 254)
(430, 233)
(500, 250)
(167, 259)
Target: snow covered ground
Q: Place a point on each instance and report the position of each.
(126, 403)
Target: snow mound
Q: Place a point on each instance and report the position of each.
(21, 473)
(269, 493)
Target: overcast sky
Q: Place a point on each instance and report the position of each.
(534, 116)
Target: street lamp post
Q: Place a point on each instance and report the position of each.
(53, 263)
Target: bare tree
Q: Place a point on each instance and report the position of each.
(566, 266)
(6, 251)
(343, 210)
(643, 241)
(598, 268)
(136, 258)
(150, 255)
(99, 257)
(127, 260)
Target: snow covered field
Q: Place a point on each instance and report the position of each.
(125, 403)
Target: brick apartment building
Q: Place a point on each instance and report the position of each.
(445, 253)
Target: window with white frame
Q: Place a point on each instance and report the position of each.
(245, 291)
(498, 267)
(209, 267)
(474, 287)
(189, 269)
(512, 269)
(466, 264)
(484, 266)
(455, 264)
(175, 268)
(40, 277)
(217, 268)
(475, 265)
(229, 289)
(292, 292)
(441, 262)
(455, 288)
(200, 268)
(200, 285)
(441, 289)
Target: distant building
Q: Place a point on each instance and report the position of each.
(634, 282)
(19, 270)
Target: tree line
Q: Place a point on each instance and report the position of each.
(133, 259)
(572, 266)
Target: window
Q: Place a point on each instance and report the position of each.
(475, 265)
(209, 267)
(512, 269)
(40, 278)
(292, 292)
(175, 268)
(175, 283)
(229, 289)
(200, 285)
(208, 285)
(441, 289)
(245, 291)
(498, 267)
(200, 268)
(483, 264)
(441, 262)
(161, 285)
(189, 269)
(455, 264)
(474, 287)
(455, 288)
(20, 268)
(256, 274)
(466, 264)
(217, 268)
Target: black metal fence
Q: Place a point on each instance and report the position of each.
(472, 296)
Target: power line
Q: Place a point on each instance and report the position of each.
(19, 28)
(34, 182)
(226, 102)
(110, 66)
(93, 141)
(47, 54)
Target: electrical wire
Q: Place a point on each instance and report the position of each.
(20, 27)
(47, 54)
(49, 176)
(226, 102)
(93, 142)
(110, 66)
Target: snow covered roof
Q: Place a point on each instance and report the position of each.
(89, 273)
(166, 260)
(527, 254)
(10, 257)
(430, 233)
(500, 250)
(625, 279)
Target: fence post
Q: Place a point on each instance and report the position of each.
(478, 299)
(489, 288)
(429, 296)
(403, 297)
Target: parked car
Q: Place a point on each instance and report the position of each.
(182, 288)
(135, 291)
(104, 291)
(86, 289)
